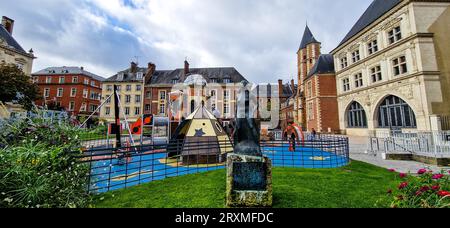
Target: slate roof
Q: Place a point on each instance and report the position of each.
(127, 75)
(286, 93)
(10, 41)
(308, 38)
(68, 70)
(219, 74)
(324, 65)
(376, 10)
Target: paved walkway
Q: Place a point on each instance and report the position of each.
(358, 151)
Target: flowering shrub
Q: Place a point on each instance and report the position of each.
(424, 190)
(37, 166)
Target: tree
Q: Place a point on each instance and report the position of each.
(16, 86)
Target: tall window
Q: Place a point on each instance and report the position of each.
(48, 80)
(107, 111)
(137, 111)
(62, 80)
(128, 88)
(310, 111)
(60, 92)
(356, 116)
(73, 92)
(346, 84)
(227, 80)
(147, 107)
(46, 93)
(192, 106)
(127, 99)
(137, 99)
(162, 109)
(85, 93)
(373, 46)
(86, 81)
(138, 87)
(359, 80)
(396, 113)
(83, 107)
(395, 35)
(309, 90)
(109, 88)
(75, 79)
(400, 66)
(344, 62)
(226, 109)
(127, 111)
(356, 56)
(71, 106)
(375, 74)
(162, 95)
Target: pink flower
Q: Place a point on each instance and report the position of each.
(403, 175)
(403, 185)
(436, 187)
(421, 171)
(438, 176)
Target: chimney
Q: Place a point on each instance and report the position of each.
(82, 68)
(186, 67)
(8, 23)
(133, 68)
(293, 85)
(151, 68)
(280, 88)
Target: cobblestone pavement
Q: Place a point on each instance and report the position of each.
(358, 151)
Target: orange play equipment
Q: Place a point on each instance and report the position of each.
(294, 129)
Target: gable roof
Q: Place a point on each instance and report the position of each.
(324, 65)
(10, 41)
(308, 38)
(377, 9)
(68, 70)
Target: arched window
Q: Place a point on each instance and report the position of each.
(396, 113)
(356, 116)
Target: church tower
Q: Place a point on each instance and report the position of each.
(307, 56)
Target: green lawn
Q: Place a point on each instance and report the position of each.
(358, 185)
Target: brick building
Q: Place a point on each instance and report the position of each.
(321, 96)
(307, 56)
(71, 88)
(288, 103)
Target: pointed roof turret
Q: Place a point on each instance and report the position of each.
(308, 38)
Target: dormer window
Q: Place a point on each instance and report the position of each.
(227, 80)
(174, 81)
(120, 77)
(214, 80)
(140, 75)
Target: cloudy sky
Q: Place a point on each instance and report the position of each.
(260, 38)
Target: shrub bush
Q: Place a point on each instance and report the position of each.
(424, 190)
(38, 168)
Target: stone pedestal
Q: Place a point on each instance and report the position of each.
(249, 181)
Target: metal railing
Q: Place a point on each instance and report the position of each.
(434, 144)
(112, 169)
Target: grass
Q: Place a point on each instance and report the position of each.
(358, 185)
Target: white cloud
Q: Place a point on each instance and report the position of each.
(259, 38)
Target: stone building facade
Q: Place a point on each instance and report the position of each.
(10, 50)
(130, 83)
(392, 69)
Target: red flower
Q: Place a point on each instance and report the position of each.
(418, 193)
(438, 176)
(403, 185)
(403, 175)
(436, 187)
(424, 189)
(421, 171)
(391, 170)
(443, 193)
